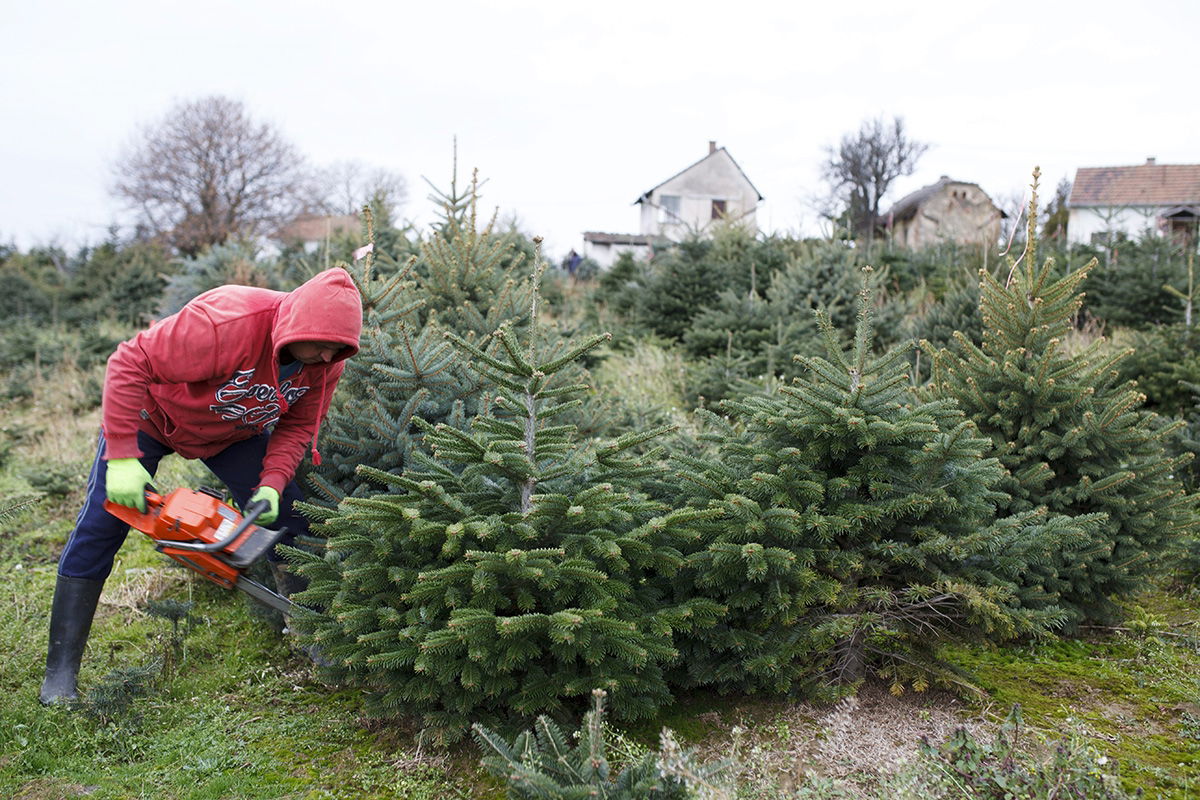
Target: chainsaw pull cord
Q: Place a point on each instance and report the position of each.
(316, 454)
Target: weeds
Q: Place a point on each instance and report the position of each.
(1189, 726)
(963, 767)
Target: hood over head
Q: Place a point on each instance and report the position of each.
(325, 308)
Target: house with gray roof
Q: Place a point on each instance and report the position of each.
(1110, 201)
(943, 212)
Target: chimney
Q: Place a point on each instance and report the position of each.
(712, 147)
(1150, 161)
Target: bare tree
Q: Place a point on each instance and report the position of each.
(207, 172)
(347, 186)
(864, 165)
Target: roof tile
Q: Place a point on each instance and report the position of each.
(1145, 185)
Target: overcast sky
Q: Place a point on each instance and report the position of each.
(572, 110)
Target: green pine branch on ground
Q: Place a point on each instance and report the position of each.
(548, 762)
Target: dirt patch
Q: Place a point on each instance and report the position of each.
(51, 789)
(857, 741)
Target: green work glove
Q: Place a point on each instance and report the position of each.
(125, 481)
(272, 498)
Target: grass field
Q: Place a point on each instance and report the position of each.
(234, 712)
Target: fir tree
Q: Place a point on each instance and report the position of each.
(465, 281)
(745, 263)
(766, 331)
(745, 335)
(511, 571)
(1165, 362)
(957, 311)
(122, 280)
(1071, 435)
(857, 531)
(828, 276)
(742, 337)
(111, 702)
(737, 320)
(220, 265)
(714, 378)
(472, 280)
(682, 281)
(1138, 283)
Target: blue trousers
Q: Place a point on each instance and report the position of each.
(98, 535)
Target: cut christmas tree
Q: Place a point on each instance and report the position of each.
(510, 572)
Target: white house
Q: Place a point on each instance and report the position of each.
(606, 248)
(694, 199)
(1162, 198)
(691, 202)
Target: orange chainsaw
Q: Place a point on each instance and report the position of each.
(208, 536)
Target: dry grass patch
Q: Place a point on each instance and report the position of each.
(137, 586)
(53, 789)
(857, 742)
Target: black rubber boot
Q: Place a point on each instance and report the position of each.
(71, 615)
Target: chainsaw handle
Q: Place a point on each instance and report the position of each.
(253, 511)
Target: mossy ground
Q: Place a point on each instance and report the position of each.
(1133, 691)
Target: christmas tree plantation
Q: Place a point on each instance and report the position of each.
(1072, 437)
(510, 572)
(858, 531)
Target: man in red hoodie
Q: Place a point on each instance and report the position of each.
(239, 378)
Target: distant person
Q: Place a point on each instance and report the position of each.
(239, 378)
(571, 262)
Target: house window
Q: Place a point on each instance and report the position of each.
(668, 208)
(1108, 238)
(718, 209)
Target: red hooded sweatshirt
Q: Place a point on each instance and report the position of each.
(208, 376)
